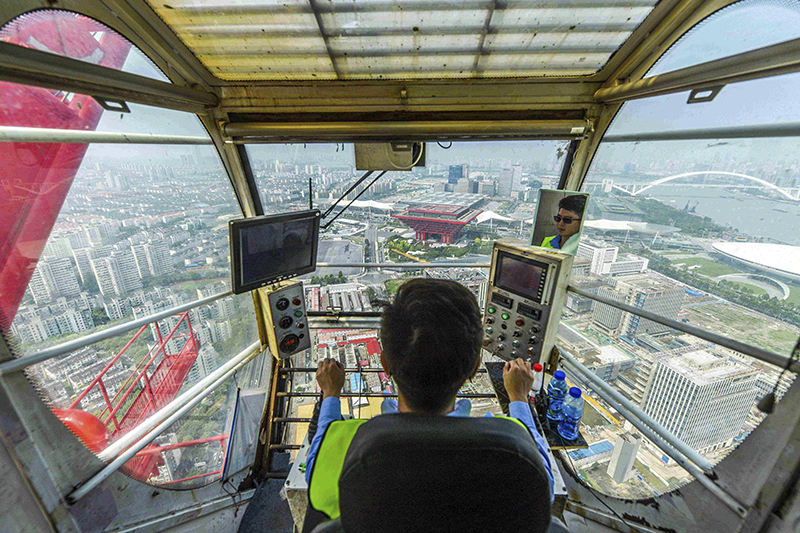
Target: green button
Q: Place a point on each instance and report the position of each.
(505, 316)
(492, 310)
(298, 313)
(515, 344)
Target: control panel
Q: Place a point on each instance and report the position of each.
(523, 302)
(286, 321)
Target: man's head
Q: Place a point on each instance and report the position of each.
(431, 336)
(570, 213)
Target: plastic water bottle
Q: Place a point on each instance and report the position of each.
(556, 390)
(538, 378)
(571, 413)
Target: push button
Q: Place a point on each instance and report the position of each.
(298, 313)
(491, 310)
(520, 322)
(505, 316)
(296, 301)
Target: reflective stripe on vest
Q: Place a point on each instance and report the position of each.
(323, 488)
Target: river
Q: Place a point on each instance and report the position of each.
(751, 215)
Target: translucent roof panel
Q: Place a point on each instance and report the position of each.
(409, 39)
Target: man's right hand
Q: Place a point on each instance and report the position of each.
(330, 377)
(518, 379)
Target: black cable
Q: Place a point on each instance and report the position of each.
(354, 199)
(356, 184)
(445, 147)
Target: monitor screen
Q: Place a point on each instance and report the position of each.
(269, 248)
(522, 276)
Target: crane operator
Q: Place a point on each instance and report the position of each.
(431, 336)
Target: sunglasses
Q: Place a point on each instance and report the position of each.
(567, 220)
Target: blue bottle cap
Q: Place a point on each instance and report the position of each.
(559, 374)
(575, 392)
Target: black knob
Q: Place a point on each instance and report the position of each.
(490, 320)
(517, 333)
(501, 337)
(534, 330)
(533, 340)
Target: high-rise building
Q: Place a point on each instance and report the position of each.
(152, 258)
(660, 296)
(505, 183)
(620, 467)
(457, 172)
(701, 397)
(52, 278)
(598, 253)
(117, 274)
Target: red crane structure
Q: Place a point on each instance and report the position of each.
(154, 382)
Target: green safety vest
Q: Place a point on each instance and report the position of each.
(323, 488)
(546, 242)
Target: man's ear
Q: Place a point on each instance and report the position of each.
(385, 367)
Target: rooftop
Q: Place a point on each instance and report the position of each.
(704, 367)
(612, 354)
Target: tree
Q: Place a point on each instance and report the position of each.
(99, 316)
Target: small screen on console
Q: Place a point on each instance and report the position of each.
(266, 249)
(522, 276)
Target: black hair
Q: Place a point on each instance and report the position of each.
(574, 202)
(431, 336)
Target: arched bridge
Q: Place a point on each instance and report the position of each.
(766, 184)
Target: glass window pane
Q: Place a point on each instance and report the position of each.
(78, 37)
(701, 232)
(95, 236)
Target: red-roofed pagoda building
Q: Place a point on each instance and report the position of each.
(446, 221)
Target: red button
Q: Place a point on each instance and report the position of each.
(296, 301)
(301, 325)
(520, 322)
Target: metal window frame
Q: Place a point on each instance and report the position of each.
(789, 129)
(42, 69)
(17, 134)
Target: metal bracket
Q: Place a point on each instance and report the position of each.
(110, 104)
(709, 93)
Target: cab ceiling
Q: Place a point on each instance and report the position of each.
(411, 39)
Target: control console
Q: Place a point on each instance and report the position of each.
(523, 304)
(286, 321)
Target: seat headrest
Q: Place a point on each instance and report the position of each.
(408, 472)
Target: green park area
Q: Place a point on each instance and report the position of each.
(746, 287)
(708, 267)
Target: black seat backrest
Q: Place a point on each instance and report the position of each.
(407, 472)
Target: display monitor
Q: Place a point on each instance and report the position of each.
(271, 248)
(521, 276)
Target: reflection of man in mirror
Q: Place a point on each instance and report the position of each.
(568, 224)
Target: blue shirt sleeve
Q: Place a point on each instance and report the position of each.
(522, 412)
(329, 411)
